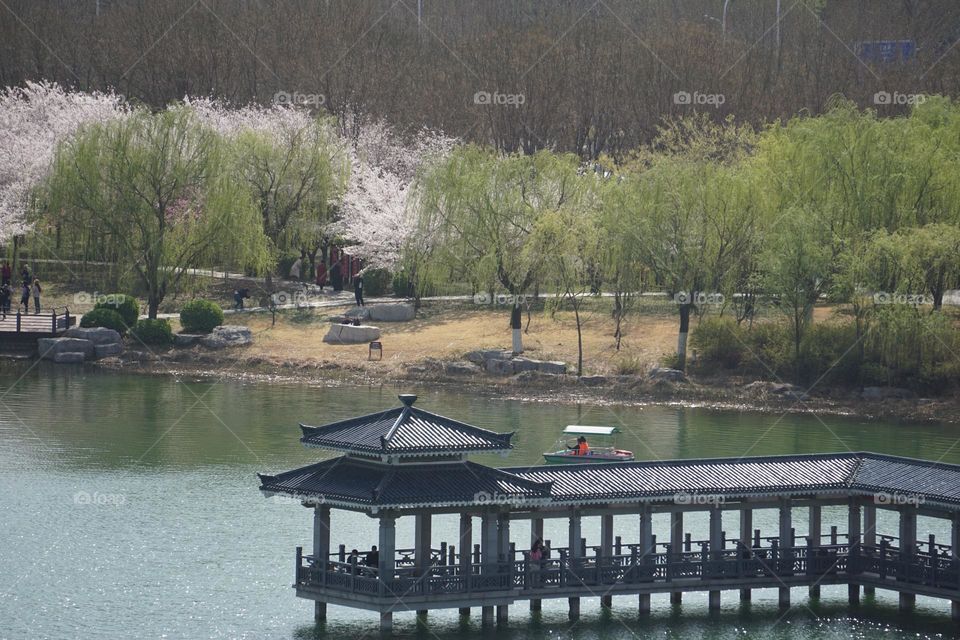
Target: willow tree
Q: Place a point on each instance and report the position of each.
(159, 189)
(295, 171)
(481, 209)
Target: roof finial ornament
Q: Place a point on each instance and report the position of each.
(407, 399)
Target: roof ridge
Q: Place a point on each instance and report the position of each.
(392, 431)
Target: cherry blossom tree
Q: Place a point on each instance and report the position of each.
(34, 119)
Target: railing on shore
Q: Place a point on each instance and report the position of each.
(47, 323)
(449, 573)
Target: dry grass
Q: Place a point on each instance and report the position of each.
(449, 333)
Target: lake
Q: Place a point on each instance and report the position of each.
(129, 507)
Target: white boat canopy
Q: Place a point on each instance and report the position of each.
(580, 430)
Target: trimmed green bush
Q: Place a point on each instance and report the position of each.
(376, 282)
(156, 331)
(719, 340)
(200, 316)
(102, 317)
(126, 306)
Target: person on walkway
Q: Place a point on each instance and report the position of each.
(372, 558)
(336, 277)
(5, 294)
(36, 290)
(5, 273)
(24, 298)
(322, 275)
(238, 297)
(358, 289)
(354, 560)
(536, 551)
(581, 448)
(25, 275)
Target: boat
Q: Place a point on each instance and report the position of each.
(605, 452)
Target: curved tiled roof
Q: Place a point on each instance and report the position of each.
(360, 484)
(353, 482)
(404, 430)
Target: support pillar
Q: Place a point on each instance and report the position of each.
(853, 539)
(489, 543)
(676, 547)
(908, 547)
(575, 556)
(466, 544)
(955, 552)
(869, 534)
(386, 622)
(536, 533)
(606, 552)
(646, 550)
(716, 550)
(746, 535)
(387, 552)
(502, 614)
(321, 552)
(422, 536)
(815, 532)
(786, 549)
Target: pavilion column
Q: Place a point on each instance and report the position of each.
(676, 548)
(746, 541)
(321, 552)
(869, 534)
(716, 549)
(908, 547)
(422, 535)
(786, 548)
(466, 551)
(814, 534)
(388, 563)
(955, 552)
(489, 541)
(503, 555)
(853, 540)
(536, 533)
(606, 552)
(574, 557)
(646, 549)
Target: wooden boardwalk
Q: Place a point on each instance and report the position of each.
(19, 332)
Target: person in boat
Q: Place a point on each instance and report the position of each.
(581, 448)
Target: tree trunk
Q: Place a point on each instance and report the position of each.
(576, 315)
(516, 323)
(682, 338)
(153, 305)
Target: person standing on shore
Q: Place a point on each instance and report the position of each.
(36, 290)
(5, 294)
(24, 297)
(358, 289)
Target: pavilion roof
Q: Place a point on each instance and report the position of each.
(404, 431)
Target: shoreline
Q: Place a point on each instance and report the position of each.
(727, 395)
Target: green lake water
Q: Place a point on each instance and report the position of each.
(129, 508)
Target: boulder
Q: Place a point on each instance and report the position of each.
(461, 368)
(498, 367)
(399, 312)
(187, 339)
(668, 375)
(525, 364)
(69, 357)
(481, 356)
(872, 393)
(551, 367)
(349, 334)
(96, 335)
(592, 381)
(48, 348)
(357, 312)
(105, 350)
(228, 336)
